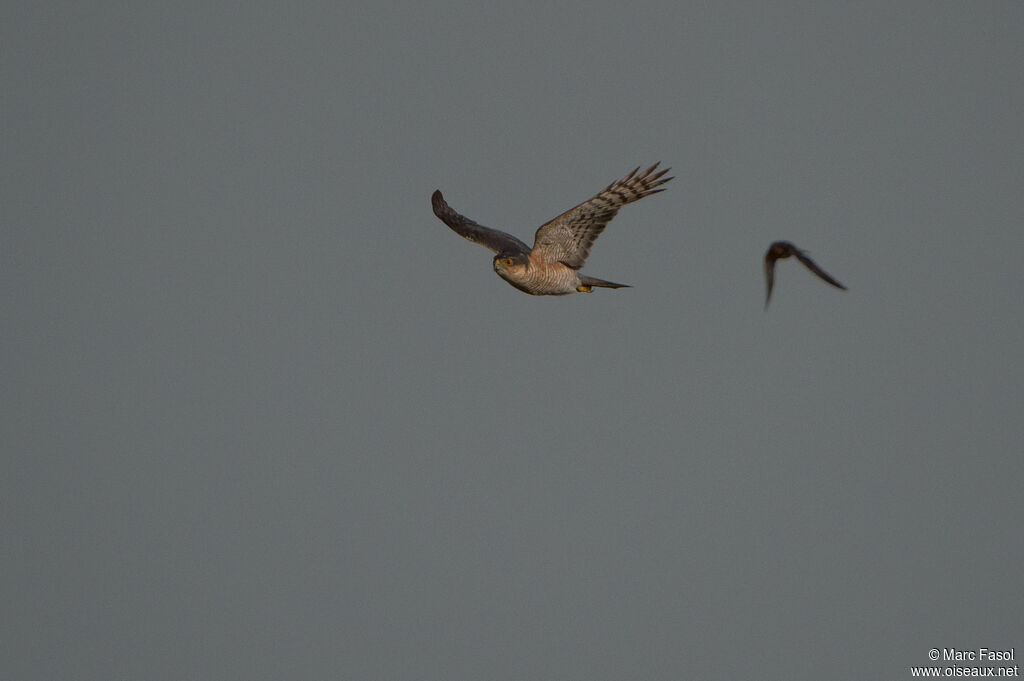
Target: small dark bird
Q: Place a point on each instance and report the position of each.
(784, 249)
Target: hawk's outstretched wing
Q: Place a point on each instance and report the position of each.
(568, 238)
(494, 239)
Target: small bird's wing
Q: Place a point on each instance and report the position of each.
(494, 239)
(769, 274)
(568, 238)
(809, 264)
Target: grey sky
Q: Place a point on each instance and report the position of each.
(266, 417)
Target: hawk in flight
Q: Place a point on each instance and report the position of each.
(561, 246)
(783, 249)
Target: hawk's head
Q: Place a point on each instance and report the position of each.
(509, 262)
(512, 267)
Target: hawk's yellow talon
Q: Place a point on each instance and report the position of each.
(583, 288)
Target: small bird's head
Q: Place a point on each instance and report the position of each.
(508, 264)
(780, 249)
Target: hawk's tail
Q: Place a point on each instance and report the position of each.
(594, 281)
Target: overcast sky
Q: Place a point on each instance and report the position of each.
(265, 417)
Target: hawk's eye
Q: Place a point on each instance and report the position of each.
(508, 262)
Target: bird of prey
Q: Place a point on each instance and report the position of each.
(784, 249)
(561, 246)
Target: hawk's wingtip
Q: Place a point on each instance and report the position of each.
(439, 205)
